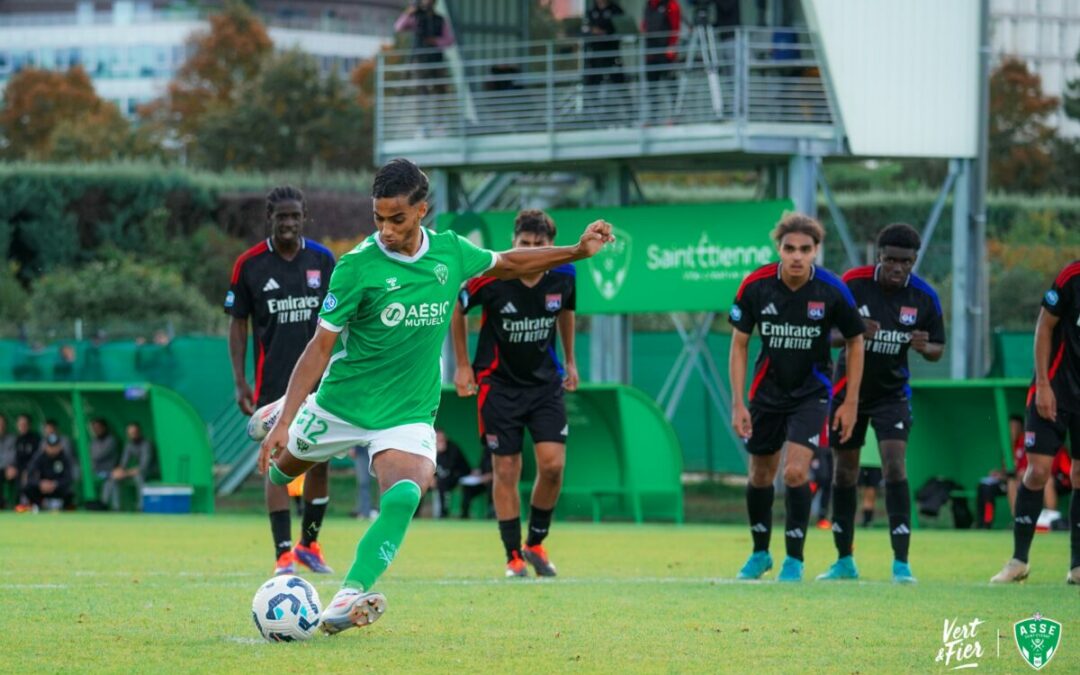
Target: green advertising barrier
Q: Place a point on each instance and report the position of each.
(184, 456)
(622, 457)
(671, 258)
(961, 431)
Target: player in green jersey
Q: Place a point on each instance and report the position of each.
(377, 350)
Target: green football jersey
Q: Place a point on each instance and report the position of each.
(393, 313)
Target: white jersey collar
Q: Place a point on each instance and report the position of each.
(424, 245)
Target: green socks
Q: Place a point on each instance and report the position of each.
(277, 477)
(380, 543)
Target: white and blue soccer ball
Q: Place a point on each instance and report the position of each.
(263, 420)
(286, 608)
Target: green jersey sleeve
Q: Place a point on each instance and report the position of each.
(475, 260)
(344, 295)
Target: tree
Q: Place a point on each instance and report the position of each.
(221, 61)
(1020, 137)
(288, 117)
(43, 109)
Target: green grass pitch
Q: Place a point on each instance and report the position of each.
(129, 593)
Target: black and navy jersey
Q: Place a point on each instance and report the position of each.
(898, 312)
(518, 327)
(283, 298)
(1063, 301)
(795, 359)
(604, 20)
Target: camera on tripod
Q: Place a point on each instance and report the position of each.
(702, 11)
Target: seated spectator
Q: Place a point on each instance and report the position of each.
(50, 477)
(27, 443)
(103, 456)
(51, 434)
(8, 486)
(137, 464)
(450, 467)
(64, 368)
(156, 360)
(478, 483)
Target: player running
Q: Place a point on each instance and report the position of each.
(901, 312)
(279, 284)
(794, 304)
(379, 340)
(1053, 413)
(521, 386)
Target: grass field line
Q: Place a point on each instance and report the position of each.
(245, 580)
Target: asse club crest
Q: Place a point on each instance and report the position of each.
(610, 266)
(1037, 639)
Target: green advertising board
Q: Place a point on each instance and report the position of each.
(671, 258)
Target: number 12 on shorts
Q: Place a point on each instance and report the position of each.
(304, 423)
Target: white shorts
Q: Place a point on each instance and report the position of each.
(317, 435)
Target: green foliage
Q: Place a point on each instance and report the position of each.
(14, 301)
(120, 291)
(287, 117)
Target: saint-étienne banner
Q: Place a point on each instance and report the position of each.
(671, 258)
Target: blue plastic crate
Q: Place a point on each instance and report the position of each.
(167, 498)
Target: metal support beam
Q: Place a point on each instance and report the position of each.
(838, 218)
(960, 341)
(609, 344)
(802, 184)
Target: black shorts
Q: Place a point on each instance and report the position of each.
(804, 423)
(506, 412)
(870, 476)
(891, 419)
(1043, 437)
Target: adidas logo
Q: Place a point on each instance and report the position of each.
(770, 310)
(271, 285)
(759, 527)
(797, 533)
(864, 312)
(837, 527)
(508, 308)
(901, 529)
(815, 439)
(900, 425)
(1023, 520)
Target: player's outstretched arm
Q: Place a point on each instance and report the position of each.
(305, 375)
(464, 377)
(1045, 400)
(737, 358)
(521, 262)
(846, 414)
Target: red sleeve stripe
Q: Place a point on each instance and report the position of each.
(1070, 271)
(758, 378)
(255, 250)
(839, 386)
(760, 273)
(865, 272)
(476, 283)
(1057, 360)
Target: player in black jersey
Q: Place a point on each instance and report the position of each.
(280, 284)
(519, 381)
(1053, 413)
(794, 304)
(901, 312)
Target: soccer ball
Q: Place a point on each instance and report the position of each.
(262, 420)
(286, 608)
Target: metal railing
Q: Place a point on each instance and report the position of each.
(735, 75)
